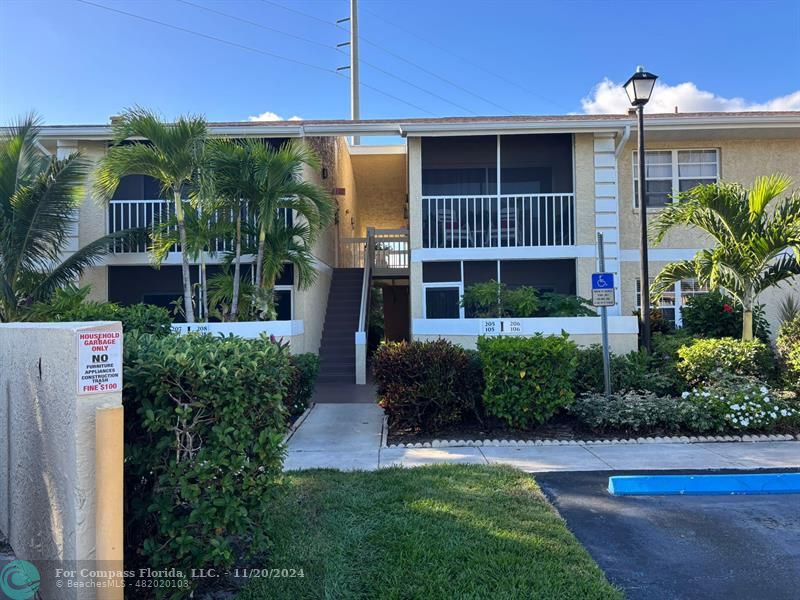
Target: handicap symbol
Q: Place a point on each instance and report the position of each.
(601, 282)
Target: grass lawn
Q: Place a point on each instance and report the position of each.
(439, 532)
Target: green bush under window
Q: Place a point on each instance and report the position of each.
(490, 300)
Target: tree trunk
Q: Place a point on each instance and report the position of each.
(204, 286)
(747, 317)
(187, 278)
(747, 324)
(237, 266)
(262, 240)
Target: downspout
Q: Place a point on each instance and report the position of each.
(626, 134)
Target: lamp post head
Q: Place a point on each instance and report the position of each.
(640, 86)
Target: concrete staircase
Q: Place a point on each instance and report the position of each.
(337, 351)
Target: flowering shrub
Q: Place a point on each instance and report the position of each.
(714, 315)
(749, 406)
(788, 345)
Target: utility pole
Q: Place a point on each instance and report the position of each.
(355, 104)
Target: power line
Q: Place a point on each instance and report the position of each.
(462, 58)
(248, 48)
(395, 55)
(315, 42)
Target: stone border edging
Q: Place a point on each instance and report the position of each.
(642, 440)
(298, 422)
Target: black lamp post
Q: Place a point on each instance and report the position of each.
(639, 87)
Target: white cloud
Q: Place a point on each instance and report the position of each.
(608, 97)
(271, 116)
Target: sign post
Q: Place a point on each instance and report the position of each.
(603, 296)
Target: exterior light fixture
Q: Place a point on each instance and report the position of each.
(639, 88)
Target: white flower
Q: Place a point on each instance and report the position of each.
(706, 394)
(773, 415)
(784, 412)
(735, 407)
(745, 422)
(764, 390)
(685, 395)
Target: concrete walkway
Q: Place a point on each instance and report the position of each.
(348, 437)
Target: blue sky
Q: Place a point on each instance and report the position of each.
(76, 63)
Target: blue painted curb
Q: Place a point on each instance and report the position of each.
(698, 485)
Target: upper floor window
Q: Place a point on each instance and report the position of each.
(670, 172)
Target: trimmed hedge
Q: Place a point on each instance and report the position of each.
(632, 412)
(204, 425)
(426, 385)
(305, 368)
(697, 361)
(527, 379)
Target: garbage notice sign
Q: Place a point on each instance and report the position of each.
(99, 360)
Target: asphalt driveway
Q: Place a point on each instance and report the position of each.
(669, 547)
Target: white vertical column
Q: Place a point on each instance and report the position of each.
(606, 206)
(63, 149)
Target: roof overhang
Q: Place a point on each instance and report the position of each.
(664, 126)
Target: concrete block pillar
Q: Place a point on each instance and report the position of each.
(55, 378)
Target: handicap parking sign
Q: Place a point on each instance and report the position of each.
(603, 289)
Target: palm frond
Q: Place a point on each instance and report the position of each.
(764, 191)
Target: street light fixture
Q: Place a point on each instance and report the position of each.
(639, 87)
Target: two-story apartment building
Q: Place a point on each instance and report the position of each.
(465, 200)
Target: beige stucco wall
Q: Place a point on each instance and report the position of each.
(381, 188)
(348, 203)
(92, 224)
(619, 343)
(310, 306)
(740, 161)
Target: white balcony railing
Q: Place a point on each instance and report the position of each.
(135, 214)
(508, 220)
(389, 251)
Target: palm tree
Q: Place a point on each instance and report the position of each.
(285, 244)
(204, 224)
(39, 195)
(168, 152)
(238, 167)
(757, 240)
(282, 187)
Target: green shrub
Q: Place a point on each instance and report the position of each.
(632, 371)
(426, 385)
(527, 378)
(564, 305)
(305, 368)
(145, 318)
(629, 412)
(697, 361)
(203, 444)
(739, 403)
(71, 304)
(788, 345)
(714, 315)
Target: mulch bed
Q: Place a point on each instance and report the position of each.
(560, 427)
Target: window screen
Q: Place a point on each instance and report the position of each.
(479, 271)
(435, 272)
(442, 303)
(283, 305)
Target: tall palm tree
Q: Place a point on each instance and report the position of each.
(282, 187)
(168, 152)
(238, 167)
(39, 195)
(757, 239)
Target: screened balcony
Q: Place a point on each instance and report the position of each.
(463, 206)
